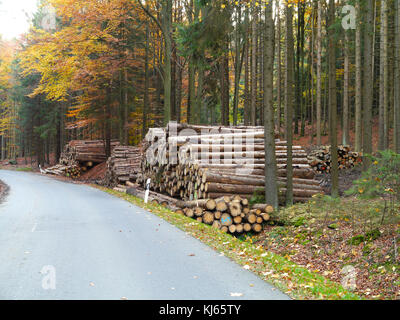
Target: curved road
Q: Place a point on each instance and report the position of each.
(66, 241)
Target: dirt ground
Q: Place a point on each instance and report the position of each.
(3, 191)
(306, 140)
(95, 174)
(346, 178)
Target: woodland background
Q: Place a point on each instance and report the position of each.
(112, 69)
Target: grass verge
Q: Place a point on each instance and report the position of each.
(297, 282)
(22, 169)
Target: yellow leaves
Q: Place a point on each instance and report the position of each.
(80, 55)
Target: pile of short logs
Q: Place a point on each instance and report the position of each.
(123, 165)
(73, 171)
(320, 159)
(79, 156)
(86, 152)
(229, 213)
(197, 162)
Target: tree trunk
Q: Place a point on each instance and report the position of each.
(289, 79)
(279, 76)
(238, 64)
(167, 25)
(253, 67)
(319, 73)
(346, 115)
(383, 83)
(358, 84)
(332, 100)
(271, 189)
(368, 76)
(397, 80)
(146, 83)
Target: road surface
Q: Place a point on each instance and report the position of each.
(66, 241)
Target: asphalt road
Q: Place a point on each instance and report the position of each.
(66, 241)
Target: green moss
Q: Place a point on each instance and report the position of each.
(373, 235)
(24, 169)
(367, 250)
(357, 240)
(300, 221)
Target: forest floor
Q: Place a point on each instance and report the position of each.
(305, 141)
(341, 239)
(3, 191)
(26, 164)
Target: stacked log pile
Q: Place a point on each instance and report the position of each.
(123, 165)
(85, 152)
(221, 161)
(79, 156)
(320, 159)
(70, 171)
(229, 213)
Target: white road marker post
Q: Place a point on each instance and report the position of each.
(146, 195)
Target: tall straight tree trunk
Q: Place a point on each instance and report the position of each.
(368, 82)
(178, 102)
(319, 72)
(247, 99)
(358, 84)
(311, 66)
(173, 83)
(289, 82)
(224, 74)
(260, 70)
(333, 101)
(279, 76)
(397, 80)
(383, 83)
(167, 25)
(199, 95)
(238, 63)
(346, 113)
(302, 78)
(253, 67)
(108, 120)
(191, 112)
(126, 108)
(146, 83)
(192, 105)
(271, 188)
(299, 66)
(59, 133)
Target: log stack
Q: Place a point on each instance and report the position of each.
(70, 171)
(86, 152)
(197, 162)
(229, 213)
(320, 159)
(123, 166)
(79, 156)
